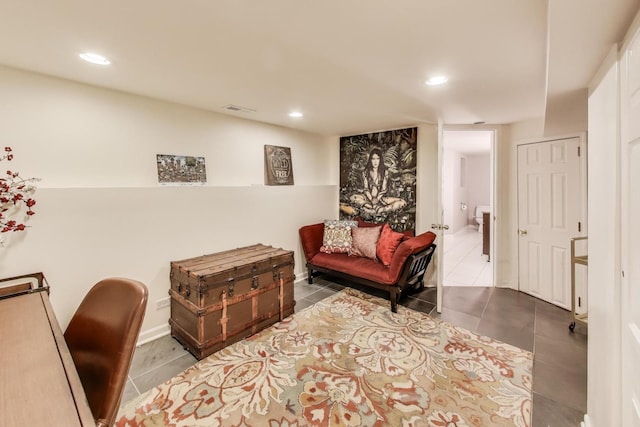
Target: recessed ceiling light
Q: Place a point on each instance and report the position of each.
(437, 80)
(94, 58)
(295, 114)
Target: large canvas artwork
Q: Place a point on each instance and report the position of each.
(378, 177)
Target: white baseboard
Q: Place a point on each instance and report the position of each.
(153, 334)
(586, 422)
(506, 284)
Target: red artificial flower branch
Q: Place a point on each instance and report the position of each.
(15, 194)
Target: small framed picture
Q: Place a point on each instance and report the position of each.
(181, 170)
(278, 167)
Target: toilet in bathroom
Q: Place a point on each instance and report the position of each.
(478, 215)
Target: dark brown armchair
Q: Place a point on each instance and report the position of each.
(101, 338)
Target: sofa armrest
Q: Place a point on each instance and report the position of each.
(409, 246)
(311, 238)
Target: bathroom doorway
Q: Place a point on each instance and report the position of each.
(467, 201)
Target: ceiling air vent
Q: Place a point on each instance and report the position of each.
(237, 108)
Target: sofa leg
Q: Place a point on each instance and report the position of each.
(309, 276)
(394, 300)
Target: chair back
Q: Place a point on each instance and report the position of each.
(101, 337)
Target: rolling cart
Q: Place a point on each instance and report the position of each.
(582, 260)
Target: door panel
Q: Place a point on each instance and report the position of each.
(559, 273)
(558, 201)
(548, 216)
(533, 217)
(630, 232)
(533, 267)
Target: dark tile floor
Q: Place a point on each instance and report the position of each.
(560, 356)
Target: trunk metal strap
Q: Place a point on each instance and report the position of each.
(223, 318)
(281, 297)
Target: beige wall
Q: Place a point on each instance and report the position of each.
(100, 211)
(479, 184)
(566, 113)
(75, 135)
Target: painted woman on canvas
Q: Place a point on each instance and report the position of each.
(373, 200)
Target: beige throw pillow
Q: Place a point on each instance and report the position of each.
(365, 241)
(337, 236)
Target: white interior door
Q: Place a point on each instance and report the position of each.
(630, 231)
(548, 217)
(430, 211)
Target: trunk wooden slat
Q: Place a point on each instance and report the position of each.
(220, 298)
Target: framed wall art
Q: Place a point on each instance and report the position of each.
(278, 167)
(181, 170)
(378, 177)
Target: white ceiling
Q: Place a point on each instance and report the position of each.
(350, 66)
(468, 142)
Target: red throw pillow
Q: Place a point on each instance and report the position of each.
(387, 244)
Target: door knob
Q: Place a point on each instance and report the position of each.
(522, 232)
(439, 227)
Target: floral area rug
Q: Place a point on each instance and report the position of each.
(348, 361)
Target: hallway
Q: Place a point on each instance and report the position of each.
(464, 264)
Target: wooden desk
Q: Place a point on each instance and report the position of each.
(39, 384)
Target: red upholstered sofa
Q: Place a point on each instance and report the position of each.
(407, 268)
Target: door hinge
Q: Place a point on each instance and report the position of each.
(578, 151)
(579, 302)
(579, 226)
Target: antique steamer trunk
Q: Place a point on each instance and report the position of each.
(220, 298)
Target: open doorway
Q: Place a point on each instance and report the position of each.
(467, 201)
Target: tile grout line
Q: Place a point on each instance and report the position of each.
(161, 365)
(484, 309)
